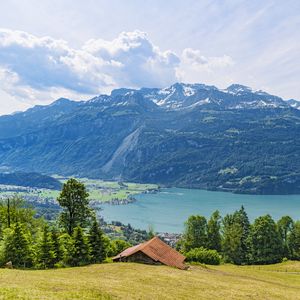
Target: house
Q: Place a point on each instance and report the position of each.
(155, 252)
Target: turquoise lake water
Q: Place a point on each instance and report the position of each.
(167, 210)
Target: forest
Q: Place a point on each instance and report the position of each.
(76, 237)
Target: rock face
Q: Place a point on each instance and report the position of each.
(190, 135)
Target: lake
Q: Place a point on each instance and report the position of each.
(167, 210)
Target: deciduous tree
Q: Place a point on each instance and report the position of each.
(75, 203)
(195, 234)
(265, 242)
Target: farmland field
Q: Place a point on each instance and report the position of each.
(99, 190)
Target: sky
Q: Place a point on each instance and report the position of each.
(78, 49)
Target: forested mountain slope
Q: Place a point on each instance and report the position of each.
(189, 135)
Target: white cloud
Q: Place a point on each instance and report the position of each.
(43, 63)
(37, 69)
(195, 67)
(134, 61)
(194, 59)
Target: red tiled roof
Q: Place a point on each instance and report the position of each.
(158, 251)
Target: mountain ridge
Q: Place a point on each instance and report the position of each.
(189, 135)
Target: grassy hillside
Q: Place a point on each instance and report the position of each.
(137, 281)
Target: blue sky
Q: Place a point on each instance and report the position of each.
(77, 49)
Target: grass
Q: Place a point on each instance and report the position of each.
(137, 281)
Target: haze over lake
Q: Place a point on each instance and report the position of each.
(167, 210)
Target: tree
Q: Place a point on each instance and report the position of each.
(236, 228)
(46, 253)
(285, 226)
(213, 232)
(117, 246)
(294, 241)
(242, 218)
(16, 247)
(81, 248)
(265, 242)
(74, 200)
(232, 237)
(56, 246)
(68, 249)
(14, 210)
(151, 232)
(195, 234)
(96, 242)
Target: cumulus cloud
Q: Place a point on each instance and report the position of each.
(42, 63)
(36, 69)
(133, 60)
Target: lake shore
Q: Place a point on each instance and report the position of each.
(168, 209)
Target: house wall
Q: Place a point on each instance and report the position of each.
(140, 257)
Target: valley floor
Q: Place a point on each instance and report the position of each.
(137, 281)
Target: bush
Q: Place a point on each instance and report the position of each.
(117, 246)
(202, 255)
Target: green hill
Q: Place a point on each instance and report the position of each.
(137, 281)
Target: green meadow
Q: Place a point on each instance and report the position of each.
(137, 281)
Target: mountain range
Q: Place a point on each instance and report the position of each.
(185, 135)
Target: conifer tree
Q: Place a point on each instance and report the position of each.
(232, 236)
(46, 253)
(213, 232)
(17, 248)
(236, 228)
(56, 246)
(243, 220)
(96, 242)
(81, 248)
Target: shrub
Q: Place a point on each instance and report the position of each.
(202, 255)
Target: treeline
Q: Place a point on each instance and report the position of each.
(74, 239)
(233, 239)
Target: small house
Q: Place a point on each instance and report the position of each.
(154, 252)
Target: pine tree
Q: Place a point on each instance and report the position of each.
(81, 248)
(243, 220)
(56, 246)
(265, 242)
(96, 242)
(17, 249)
(232, 236)
(236, 228)
(213, 232)
(46, 251)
